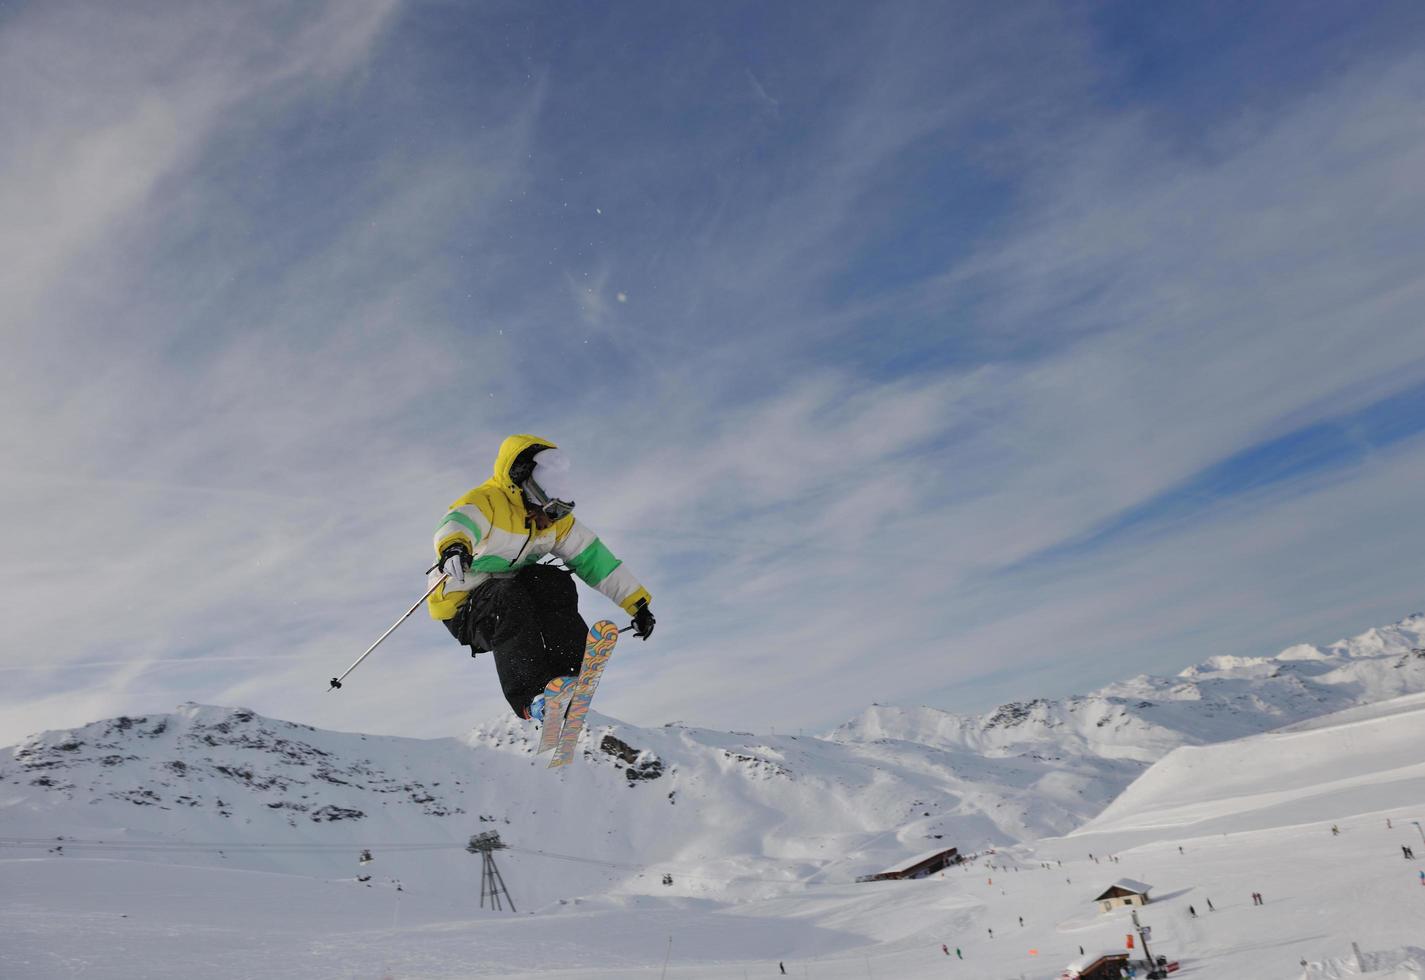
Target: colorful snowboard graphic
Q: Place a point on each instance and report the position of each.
(597, 650)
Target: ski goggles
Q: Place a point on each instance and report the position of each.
(553, 508)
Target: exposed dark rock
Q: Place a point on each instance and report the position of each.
(641, 765)
(139, 797)
(759, 766)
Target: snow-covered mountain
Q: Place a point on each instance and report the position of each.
(1139, 720)
(742, 811)
(737, 810)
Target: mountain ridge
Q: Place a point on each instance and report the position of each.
(1250, 694)
(742, 809)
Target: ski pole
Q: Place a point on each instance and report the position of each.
(336, 681)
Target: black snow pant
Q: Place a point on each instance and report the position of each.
(531, 621)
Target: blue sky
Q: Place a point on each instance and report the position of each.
(912, 353)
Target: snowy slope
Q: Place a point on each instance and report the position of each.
(1364, 759)
(1256, 814)
(89, 913)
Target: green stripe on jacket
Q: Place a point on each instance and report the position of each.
(469, 525)
(594, 563)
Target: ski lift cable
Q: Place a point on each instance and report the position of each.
(653, 868)
(193, 847)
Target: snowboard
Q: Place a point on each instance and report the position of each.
(597, 650)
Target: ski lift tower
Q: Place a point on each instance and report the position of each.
(491, 881)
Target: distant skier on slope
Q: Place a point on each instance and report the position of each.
(498, 598)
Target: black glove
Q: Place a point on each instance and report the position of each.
(643, 620)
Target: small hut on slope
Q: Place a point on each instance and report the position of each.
(920, 866)
(1124, 891)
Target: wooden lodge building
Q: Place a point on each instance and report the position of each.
(1123, 892)
(920, 866)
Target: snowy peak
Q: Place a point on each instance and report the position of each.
(1248, 666)
(202, 757)
(1404, 637)
(1400, 640)
(227, 787)
(1102, 727)
(1142, 718)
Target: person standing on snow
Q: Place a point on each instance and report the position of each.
(497, 597)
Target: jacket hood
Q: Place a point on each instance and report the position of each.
(509, 451)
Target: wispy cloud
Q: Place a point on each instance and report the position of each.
(871, 351)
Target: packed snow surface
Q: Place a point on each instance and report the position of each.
(214, 840)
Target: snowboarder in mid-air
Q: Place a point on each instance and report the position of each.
(497, 597)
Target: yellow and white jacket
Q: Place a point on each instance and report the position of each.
(491, 522)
